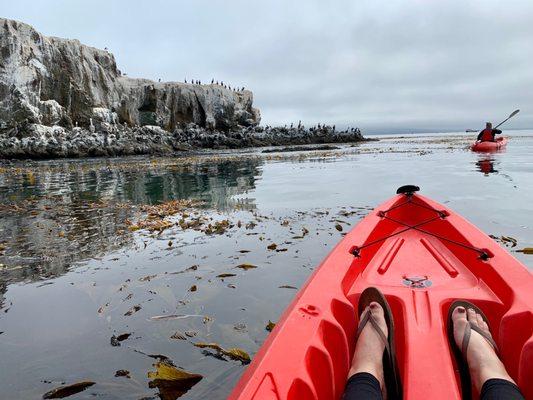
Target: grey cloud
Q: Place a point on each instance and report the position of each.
(381, 65)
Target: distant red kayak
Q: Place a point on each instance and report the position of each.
(422, 256)
(490, 146)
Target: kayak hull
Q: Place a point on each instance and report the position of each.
(421, 271)
(487, 147)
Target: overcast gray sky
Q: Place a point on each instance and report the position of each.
(386, 66)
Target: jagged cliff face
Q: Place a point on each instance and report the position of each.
(53, 81)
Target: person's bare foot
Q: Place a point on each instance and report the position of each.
(483, 361)
(368, 355)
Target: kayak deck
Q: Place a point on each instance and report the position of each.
(422, 257)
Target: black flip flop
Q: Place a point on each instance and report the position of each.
(390, 364)
(460, 353)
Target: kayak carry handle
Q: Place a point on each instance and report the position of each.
(407, 189)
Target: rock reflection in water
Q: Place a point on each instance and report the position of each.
(55, 214)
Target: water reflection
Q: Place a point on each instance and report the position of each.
(56, 213)
(300, 200)
(486, 165)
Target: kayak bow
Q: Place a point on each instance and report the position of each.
(422, 256)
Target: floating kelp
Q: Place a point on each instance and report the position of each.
(246, 266)
(147, 278)
(156, 215)
(174, 316)
(178, 336)
(68, 390)
(233, 353)
(270, 326)
(172, 382)
(218, 227)
(226, 275)
(123, 373)
(132, 310)
(115, 340)
(526, 250)
(507, 241)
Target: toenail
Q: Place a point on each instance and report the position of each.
(373, 306)
(461, 310)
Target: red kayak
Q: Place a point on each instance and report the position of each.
(497, 145)
(422, 256)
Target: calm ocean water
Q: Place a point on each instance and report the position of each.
(73, 273)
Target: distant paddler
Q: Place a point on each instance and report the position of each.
(488, 134)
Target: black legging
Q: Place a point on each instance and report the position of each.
(365, 386)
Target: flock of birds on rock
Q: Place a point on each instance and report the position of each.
(213, 82)
(199, 82)
(318, 127)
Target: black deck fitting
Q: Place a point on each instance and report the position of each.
(407, 189)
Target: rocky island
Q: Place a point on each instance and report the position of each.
(60, 98)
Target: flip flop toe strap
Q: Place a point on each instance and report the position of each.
(368, 317)
(468, 332)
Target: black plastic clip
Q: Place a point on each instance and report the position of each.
(408, 190)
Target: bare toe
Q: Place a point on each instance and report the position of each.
(482, 359)
(459, 324)
(480, 322)
(472, 316)
(379, 316)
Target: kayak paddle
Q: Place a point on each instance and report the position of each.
(508, 118)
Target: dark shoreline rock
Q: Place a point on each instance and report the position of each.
(44, 142)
